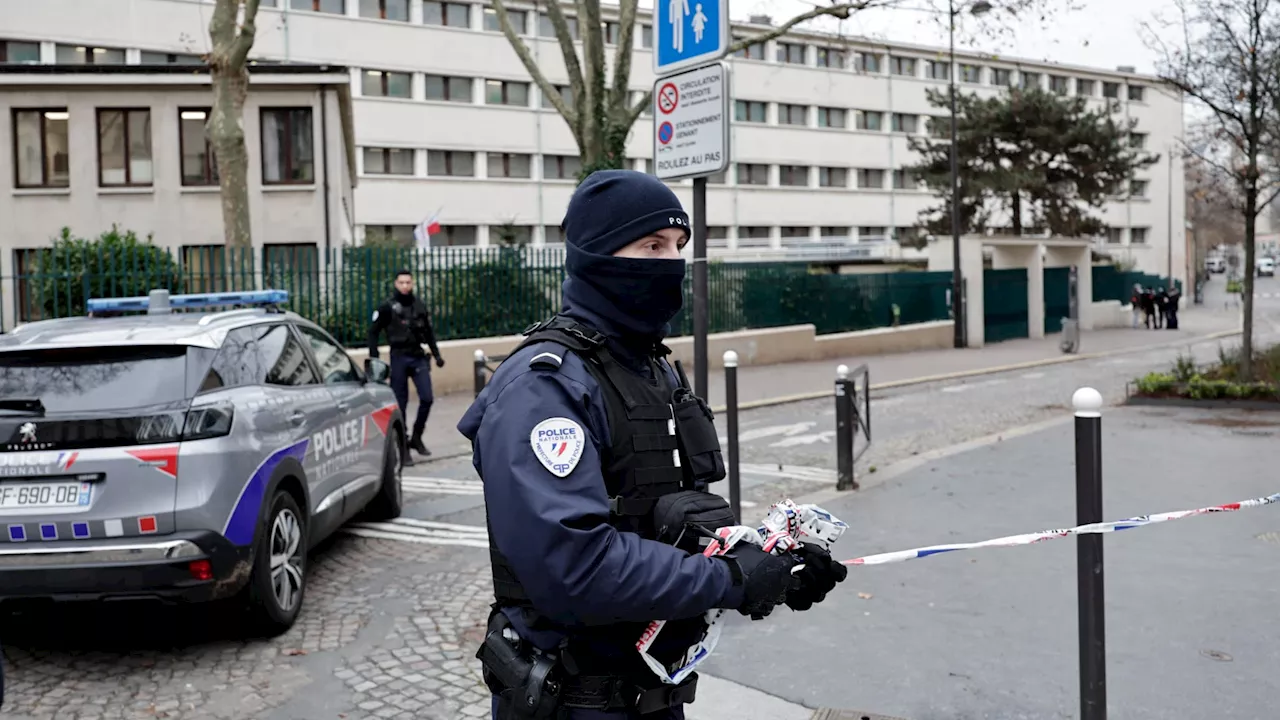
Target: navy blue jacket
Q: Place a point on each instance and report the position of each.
(576, 568)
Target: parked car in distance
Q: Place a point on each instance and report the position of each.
(191, 453)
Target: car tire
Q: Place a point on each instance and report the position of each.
(274, 595)
(389, 502)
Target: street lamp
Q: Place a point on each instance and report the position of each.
(979, 7)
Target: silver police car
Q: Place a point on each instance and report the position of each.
(186, 456)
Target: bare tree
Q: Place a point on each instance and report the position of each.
(232, 35)
(1228, 62)
(600, 115)
(1212, 210)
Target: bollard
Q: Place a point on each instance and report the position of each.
(1092, 609)
(845, 430)
(731, 420)
(479, 371)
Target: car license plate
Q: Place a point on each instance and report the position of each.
(37, 495)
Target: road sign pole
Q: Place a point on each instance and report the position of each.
(700, 286)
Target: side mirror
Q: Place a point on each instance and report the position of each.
(377, 371)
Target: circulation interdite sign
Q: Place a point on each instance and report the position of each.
(691, 123)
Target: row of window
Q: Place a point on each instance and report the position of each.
(461, 89)
(41, 144)
(748, 236)
(462, 14)
(402, 162)
(791, 52)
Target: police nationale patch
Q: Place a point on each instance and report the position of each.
(558, 443)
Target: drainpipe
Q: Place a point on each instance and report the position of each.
(324, 160)
(537, 120)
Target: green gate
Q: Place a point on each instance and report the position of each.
(1057, 298)
(1004, 297)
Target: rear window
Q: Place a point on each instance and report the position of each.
(95, 379)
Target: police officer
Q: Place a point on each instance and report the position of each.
(408, 326)
(596, 458)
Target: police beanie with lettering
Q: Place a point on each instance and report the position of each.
(613, 208)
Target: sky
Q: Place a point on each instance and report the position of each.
(1103, 33)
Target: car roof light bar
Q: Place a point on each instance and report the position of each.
(160, 301)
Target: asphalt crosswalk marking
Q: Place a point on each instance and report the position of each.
(421, 531)
(420, 484)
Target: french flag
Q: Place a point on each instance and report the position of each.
(425, 229)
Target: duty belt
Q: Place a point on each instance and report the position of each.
(609, 692)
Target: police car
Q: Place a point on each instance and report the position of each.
(187, 456)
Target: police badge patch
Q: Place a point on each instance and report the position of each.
(558, 443)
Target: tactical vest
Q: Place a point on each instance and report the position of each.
(404, 330)
(662, 441)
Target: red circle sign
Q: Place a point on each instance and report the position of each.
(667, 98)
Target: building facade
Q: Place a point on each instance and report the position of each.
(87, 148)
(447, 120)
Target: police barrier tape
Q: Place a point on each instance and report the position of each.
(784, 528)
(1032, 538)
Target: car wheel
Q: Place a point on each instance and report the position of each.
(389, 502)
(278, 584)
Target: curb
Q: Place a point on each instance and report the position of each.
(818, 395)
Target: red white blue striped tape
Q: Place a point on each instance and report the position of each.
(1032, 538)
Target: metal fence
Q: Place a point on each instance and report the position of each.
(1111, 283)
(471, 292)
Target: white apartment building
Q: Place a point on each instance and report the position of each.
(87, 148)
(446, 119)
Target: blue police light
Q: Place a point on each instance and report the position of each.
(194, 300)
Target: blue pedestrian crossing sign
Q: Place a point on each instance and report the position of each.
(687, 33)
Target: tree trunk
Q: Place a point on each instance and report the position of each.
(1250, 235)
(1015, 212)
(226, 135)
(231, 42)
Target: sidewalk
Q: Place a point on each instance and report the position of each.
(765, 382)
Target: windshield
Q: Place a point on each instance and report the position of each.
(92, 380)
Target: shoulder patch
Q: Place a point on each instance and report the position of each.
(375, 316)
(546, 361)
(558, 442)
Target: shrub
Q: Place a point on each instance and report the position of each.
(114, 264)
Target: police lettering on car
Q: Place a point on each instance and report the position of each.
(596, 458)
(407, 323)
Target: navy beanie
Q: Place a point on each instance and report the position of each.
(613, 208)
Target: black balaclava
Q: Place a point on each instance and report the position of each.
(631, 300)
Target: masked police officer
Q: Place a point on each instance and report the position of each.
(595, 458)
(408, 326)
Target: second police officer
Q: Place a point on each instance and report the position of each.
(596, 457)
(408, 325)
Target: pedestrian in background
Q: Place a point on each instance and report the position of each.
(408, 325)
(1171, 309)
(1135, 303)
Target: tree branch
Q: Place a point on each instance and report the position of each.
(622, 59)
(840, 11)
(567, 49)
(526, 58)
(244, 39)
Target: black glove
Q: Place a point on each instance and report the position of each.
(373, 354)
(765, 578)
(817, 578)
(439, 361)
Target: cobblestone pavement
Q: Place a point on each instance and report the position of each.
(389, 630)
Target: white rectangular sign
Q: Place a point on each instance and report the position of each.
(691, 123)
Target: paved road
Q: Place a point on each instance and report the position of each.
(393, 611)
(992, 633)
